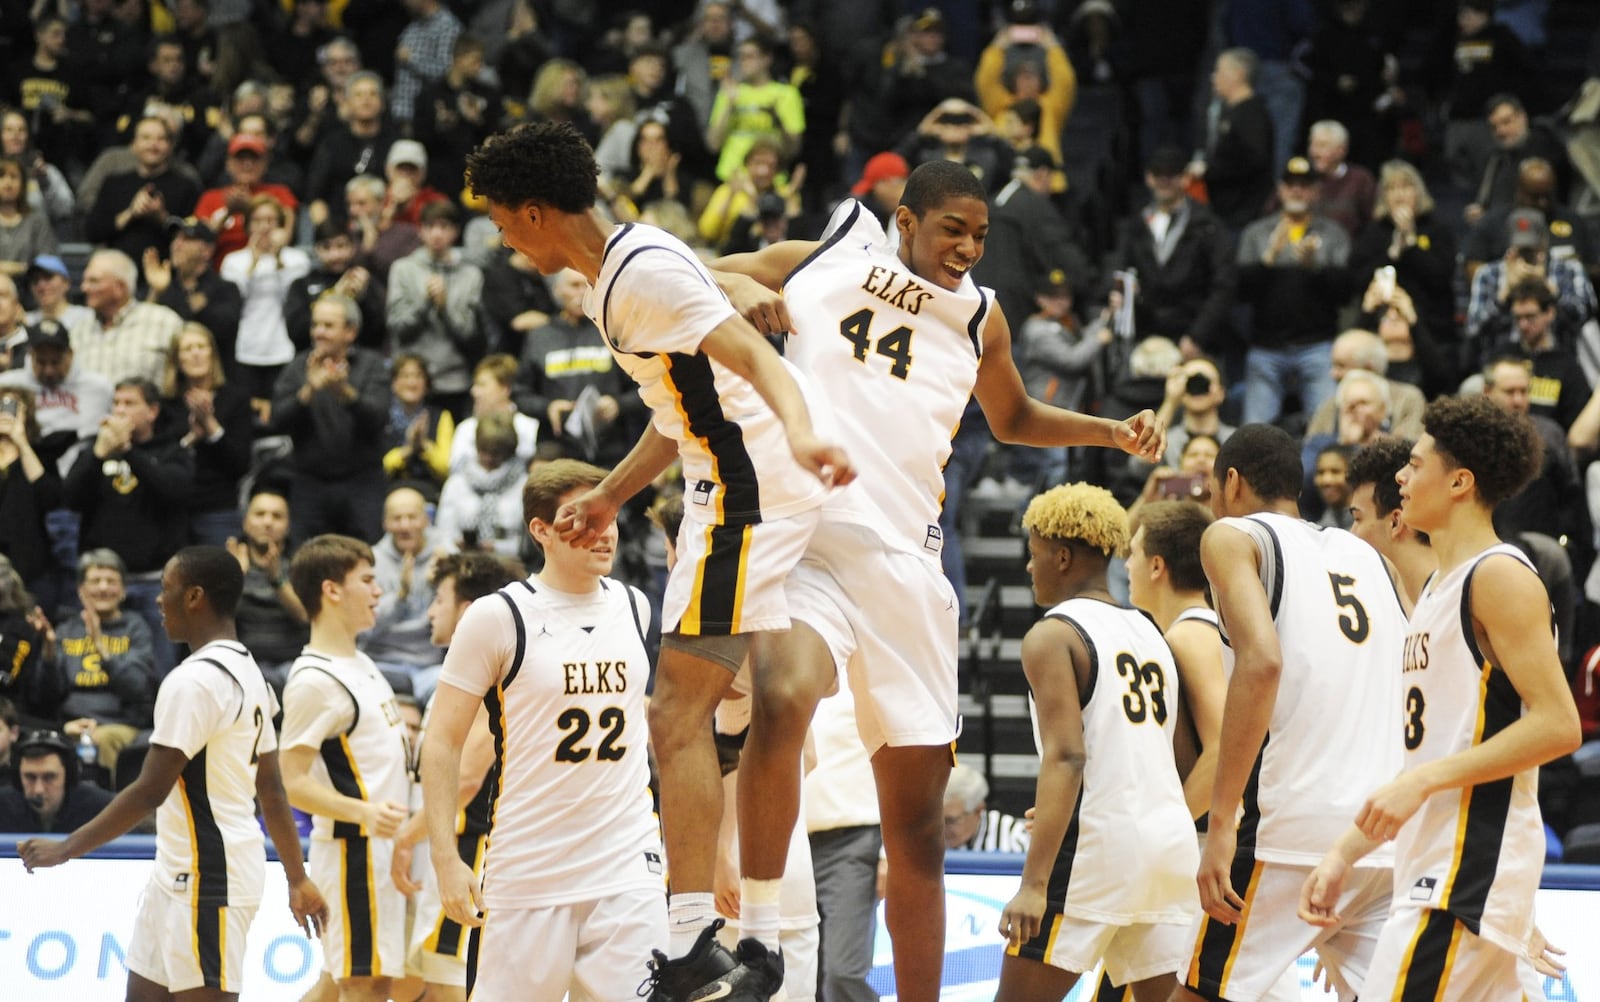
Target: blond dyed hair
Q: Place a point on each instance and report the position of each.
(1082, 513)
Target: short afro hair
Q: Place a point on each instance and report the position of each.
(216, 572)
(1376, 464)
(549, 163)
(1172, 531)
(936, 182)
(1267, 458)
(1502, 450)
(1080, 513)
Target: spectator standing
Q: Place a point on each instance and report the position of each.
(380, 239)
(919, 73)
(705, 58)
(1536, 189)
(516, 300)
(123, 338)
(422, 55)
(187, 283)
(102, 662)
(1026, 61)
(1028, 238)
(213, 418)
(55, 88)
(959, 131)
(355, 146)
(171, 86)
(226, 209)
(1349, 81)
(1466, 70)
(1292, 270)
(882, 182)
(1273, 30)
(1058, 364)
(29, 487)
(24, 234)
(560, 363)
(335, 270)
(1559, 388)
(736, 197)
(333, 401)
(132, 489)
(1408, 235)
(456, 113)
(1236, 162)
(271, 620)
(1183, 258)
(1346, 192)
(433, 302)
(1515, 139)
(263, 270)
(751, 103)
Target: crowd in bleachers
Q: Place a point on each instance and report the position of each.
(246, 298)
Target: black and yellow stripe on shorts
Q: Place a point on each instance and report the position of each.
(360, 891)
(717, 605)
(448, 938)
(694, 389)
(1217, 945)
(1108, 992)
(208, 883)
(1425, 971)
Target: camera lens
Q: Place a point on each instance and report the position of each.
(1197, 384)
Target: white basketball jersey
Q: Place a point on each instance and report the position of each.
(1478, 852)
(217, 709)
(1129, 854)
(369, 759)
(655, 303)
(1332, 738)
(896, 357)
(564, 679)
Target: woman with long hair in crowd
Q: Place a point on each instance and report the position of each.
(48, 191)
(24, 233)
(215, 419)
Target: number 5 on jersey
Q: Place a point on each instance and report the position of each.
(895, 345)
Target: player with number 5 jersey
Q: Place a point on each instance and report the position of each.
(1313, 625)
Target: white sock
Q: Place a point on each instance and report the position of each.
(687, 916)
(758, 911)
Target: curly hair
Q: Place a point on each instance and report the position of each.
(1502, 450)
(545, 162)
(1376, 464)
(1081, 513)
(936, 182)
(1267, 458)
(1172, 531)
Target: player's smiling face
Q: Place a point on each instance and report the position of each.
(946, 241)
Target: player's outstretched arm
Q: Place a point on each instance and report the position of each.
(582, 520)
(1018, 419)
(1231, 564)
(735, 345)
(1511, 617)
(305, 901)
(1053, 653)
(752, 281)
(450, 718)
(160, 772)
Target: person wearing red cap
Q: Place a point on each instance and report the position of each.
(880, 184)
(224, 208)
